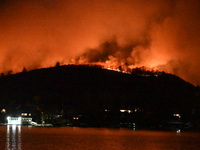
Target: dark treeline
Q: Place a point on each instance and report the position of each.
(94, 96)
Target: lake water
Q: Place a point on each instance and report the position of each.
(74, 138)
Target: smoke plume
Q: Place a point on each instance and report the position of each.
(164, 34)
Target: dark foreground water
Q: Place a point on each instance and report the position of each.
(72, 138)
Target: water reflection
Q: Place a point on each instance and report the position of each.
(13, 137)
(73, 138)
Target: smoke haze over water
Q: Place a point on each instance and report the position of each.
(156, 33)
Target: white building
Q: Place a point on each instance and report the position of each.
(14, 120)
(19, 120)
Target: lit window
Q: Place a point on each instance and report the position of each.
(24, 114)
(126, 110)
(106, 110)
(130, 111)
(122, 110)
(176, 115)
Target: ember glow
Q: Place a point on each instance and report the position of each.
(163, 34)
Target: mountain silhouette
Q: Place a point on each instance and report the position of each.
(82, 89)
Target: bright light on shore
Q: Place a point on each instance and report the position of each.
(14, 120)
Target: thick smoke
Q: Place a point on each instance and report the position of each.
(156, 33)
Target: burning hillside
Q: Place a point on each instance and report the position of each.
(129, 33)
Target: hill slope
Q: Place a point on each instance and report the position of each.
(79, 89)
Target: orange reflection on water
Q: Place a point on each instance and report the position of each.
(74, 138)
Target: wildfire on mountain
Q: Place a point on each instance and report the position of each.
(159, 34)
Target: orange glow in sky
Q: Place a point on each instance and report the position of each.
(156, 33)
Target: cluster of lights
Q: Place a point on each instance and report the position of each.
(106, 110)
(75, 118)
(26, 114)
(138, 109)
(126, 110)
(177, 115)
(130, 111)
(58, 116)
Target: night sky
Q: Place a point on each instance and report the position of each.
(164, 34)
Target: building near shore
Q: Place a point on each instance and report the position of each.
(24, 119)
